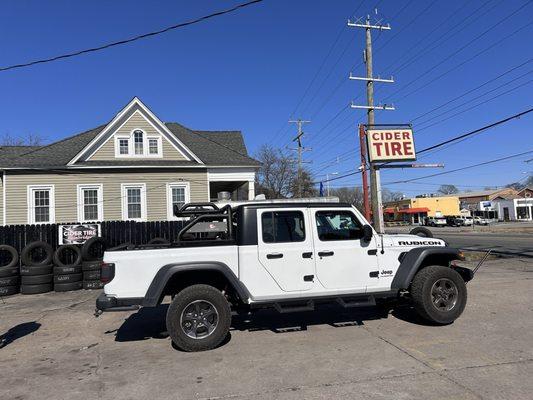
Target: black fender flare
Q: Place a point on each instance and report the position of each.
(414, 259)
(155, 290)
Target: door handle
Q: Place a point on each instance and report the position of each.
(274, 255)
(308, 254)
(325, 253)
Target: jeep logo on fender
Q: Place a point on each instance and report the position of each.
(418, 243)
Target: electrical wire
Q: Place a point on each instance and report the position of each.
(129, 40)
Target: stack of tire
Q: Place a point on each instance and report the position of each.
(9, 272)
(67, 270)
(36, 269)
(93, 253)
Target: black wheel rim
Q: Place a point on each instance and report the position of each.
(444, 294)
(199, 319)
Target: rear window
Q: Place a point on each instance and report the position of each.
(283, 226)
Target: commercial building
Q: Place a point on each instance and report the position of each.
(413, 211)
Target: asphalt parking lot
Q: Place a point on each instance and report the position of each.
(55, 349)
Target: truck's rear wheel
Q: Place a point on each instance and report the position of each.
(198, 318)
(439, 294)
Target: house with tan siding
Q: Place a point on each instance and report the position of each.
(134, 168)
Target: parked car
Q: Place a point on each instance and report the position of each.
(481, 221)
(436, 221)
(467, 221)
(282, 255)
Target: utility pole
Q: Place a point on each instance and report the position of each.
(375, 186)
(364, 173)
(300, 149)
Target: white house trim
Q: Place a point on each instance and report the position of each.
(170, 211)
(234, 175)
(124, 194)
(4, 189)
(162, 128)
(100, 188)
(52, 205)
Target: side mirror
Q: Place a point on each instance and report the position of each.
(367, 233)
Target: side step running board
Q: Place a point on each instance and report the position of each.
(295, 307)
(363, 301)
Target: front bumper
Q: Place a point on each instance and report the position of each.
(110, 303)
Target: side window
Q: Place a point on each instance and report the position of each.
(338, 225)
(283, 226)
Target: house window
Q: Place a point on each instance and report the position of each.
(41, 204)
(153, 146)
(90, 203)
(138, 142)
(123, 146)
(177, 194)
(134, 202)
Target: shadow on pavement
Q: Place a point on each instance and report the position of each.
(18, 332)
(149, 323)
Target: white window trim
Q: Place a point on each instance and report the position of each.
(30, 203)
(131, 145)
(170, 211)
(100, 188)
(124, 187)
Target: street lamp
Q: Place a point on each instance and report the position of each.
(327, 180)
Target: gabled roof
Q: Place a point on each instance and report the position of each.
(212, 148)
(482, 193)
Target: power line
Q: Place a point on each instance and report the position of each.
(129, 40)
(462, 168)
(471, 90)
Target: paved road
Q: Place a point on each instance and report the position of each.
(505, 243)
(55, 349)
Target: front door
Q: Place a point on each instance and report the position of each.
(285, 247)
(506, 213)
(343, 259)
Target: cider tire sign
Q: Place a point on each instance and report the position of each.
(391, 144)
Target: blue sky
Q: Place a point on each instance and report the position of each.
(249, 71)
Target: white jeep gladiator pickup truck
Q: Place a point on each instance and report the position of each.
(289, 256)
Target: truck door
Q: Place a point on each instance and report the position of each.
(285, 247)
(343, 259)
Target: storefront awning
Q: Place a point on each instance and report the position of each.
(414, 210)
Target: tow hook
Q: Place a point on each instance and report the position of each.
(97, 312)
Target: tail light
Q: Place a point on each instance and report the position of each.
(107, 272)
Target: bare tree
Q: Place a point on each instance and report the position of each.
(352, 195)
(389, 195)
(276, 173)
(308, 188)
(448, 189)
(31, 139)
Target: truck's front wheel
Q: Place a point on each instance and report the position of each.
(439, 294)
(198, 318)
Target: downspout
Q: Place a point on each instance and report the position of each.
(4, 188)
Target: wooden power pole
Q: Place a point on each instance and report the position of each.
(300, 149)
(375, 187)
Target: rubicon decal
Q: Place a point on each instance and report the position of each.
(419, 243)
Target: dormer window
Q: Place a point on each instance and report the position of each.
(138, 144)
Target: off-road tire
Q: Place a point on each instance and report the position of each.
(59, 253)
(9, 290)
(88, 249)
(91, 275)
(26, 254)
(10, 281)
(67, 287)
(14, 256)
(36, 289)
(67, 270)
(185, 298)
(68, 278)
(91, 265)
(6, 272)
(421, 231)
(92, 285)
(422, 297)
(31, 270)
(36, 279)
